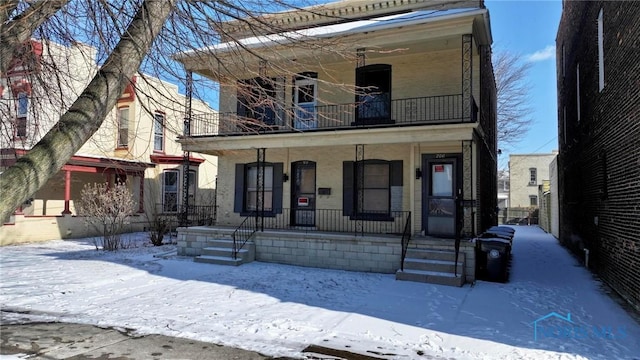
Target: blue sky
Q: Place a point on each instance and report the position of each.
(529, 28)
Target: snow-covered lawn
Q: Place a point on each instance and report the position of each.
(278, 309)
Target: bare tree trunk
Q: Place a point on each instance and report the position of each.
(88, 112)
(15, 32)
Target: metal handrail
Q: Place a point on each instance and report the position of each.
(406, 237)
(243, 234)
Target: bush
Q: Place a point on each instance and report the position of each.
(106, 208)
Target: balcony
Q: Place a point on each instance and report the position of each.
(432, 110)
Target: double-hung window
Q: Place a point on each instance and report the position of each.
(158, 131)
(170, 191)
(123, 127)
(22, 109)
(247, 189)
(533, 176)
(368, 188)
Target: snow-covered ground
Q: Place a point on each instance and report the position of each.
(278, 309)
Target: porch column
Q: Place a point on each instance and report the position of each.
(467, 80)
(67, 192)
(467, 189)
(260, 190)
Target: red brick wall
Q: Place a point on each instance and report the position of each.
(599, 161)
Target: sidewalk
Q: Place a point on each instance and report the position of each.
(77, 341)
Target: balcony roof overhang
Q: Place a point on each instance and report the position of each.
(417, 30)
(221, 145)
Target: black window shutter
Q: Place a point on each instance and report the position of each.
(396, 173)
(347, 188)
(238, 202)
(277, 188)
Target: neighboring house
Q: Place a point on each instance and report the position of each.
(526, 172)
(598, 78)
(503, 189)
(361, 123)
(135, 144)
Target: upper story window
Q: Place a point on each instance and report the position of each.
(600, 51)
(578, 90)
(533, 176)
(22, 109)
(123, 127)
(158, 131)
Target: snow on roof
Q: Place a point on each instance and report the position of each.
(351, 27)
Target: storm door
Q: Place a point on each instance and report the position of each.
(440, 188)
(303, 193)
(304, 98)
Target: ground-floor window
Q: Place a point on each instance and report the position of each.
(372, 188)
(170, 191)
(247, 188)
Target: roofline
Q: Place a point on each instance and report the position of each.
(385, 26)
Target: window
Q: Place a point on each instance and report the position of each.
(578, 90)
(246, 189)
(257, 100)
(373, 194)
(251, 190)
(22, 109)
(170, 191)
(600, 52)
(563, 63)
(533, 200)
(123, 127)
(158, 131)
(533, 176)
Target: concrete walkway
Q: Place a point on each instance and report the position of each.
(77, 341)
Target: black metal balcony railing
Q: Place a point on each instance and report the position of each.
(333, 220)
(399, 112)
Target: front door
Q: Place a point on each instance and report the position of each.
(305, 95)
(303, 191)
(439, 195)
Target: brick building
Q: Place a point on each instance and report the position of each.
(598, 77)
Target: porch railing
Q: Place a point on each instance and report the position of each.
(398, 112)
(197, 215)
(243, 233)
(406, 238)
(334, 220)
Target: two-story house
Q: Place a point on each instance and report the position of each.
(368, 118)
(598, 79)
(135, 144)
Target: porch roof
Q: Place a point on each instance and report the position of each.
(343, 29)
(393, 135)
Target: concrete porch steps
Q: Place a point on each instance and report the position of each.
(220, 252)
(433, 266)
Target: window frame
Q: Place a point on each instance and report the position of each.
(165, 192)
(158, 133)
(350, 190)
(120, 144)
(22, 115)
(241, 182)
(533, 176)
(600, 50)
(533, 200)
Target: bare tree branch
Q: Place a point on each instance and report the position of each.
(88, 112)
(17, 31)
(514, 106)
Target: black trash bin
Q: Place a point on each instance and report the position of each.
(494, 253)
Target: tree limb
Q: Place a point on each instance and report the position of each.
(88, 112)
(15, 32)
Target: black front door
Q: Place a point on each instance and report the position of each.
(303, 193)
(440, 190)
